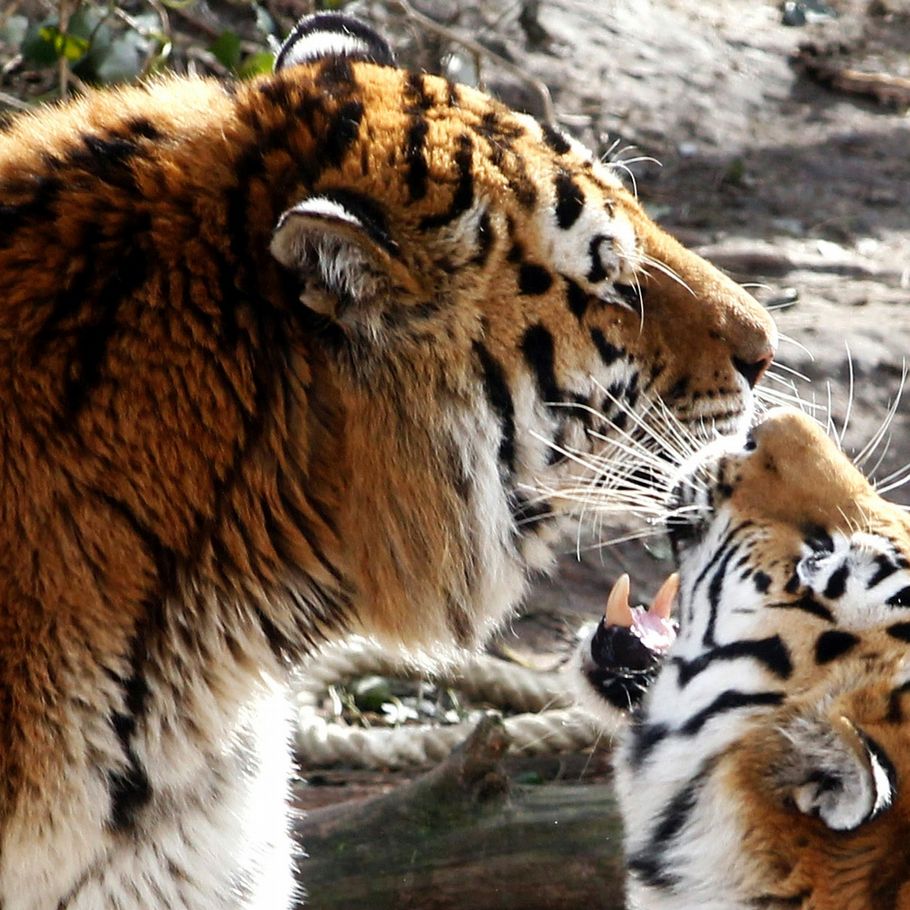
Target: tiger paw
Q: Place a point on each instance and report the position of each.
(626, 650)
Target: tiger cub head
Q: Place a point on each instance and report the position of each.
(768, 764)
(491, 276)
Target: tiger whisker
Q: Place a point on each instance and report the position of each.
(666, 270)
(863, 455)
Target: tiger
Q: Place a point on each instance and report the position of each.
(763, 762)
(282, 360)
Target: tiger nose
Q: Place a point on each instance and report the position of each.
(750, 334)
(753, 370)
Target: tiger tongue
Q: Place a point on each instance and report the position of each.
(655, 632)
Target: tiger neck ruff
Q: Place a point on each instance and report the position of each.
(280, 360)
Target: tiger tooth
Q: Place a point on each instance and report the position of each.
(618, 612)
(662, 604)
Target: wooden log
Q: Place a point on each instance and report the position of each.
(464, 836)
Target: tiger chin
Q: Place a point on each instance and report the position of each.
(282, 360)
(766, 757)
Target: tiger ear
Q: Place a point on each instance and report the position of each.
(332, 35)
(838, 773)
(342, 239)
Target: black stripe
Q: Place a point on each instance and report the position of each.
(302, 524)
(833, 644)
(895, 713)
(885, 569)
(369, 213)
(511, 165)
(500, 399)
(43, 191)
(808, 604)
(577, 298)
(762, 582)
(526, 513)
(676, 813)
(715, 589)
(486, 236)
(463, 198)
(719, 552)
(837, 583)
(900, 631)
(533, 279)
(651, 872)
(771, 652)
(597, 272)
(341, 133)
(87, 356)
(130, 790)
(609, 353)
(107, 158)
(818, 539)
(645, 738)
(414, 152)
(538, 350)
(729, 700)
(570, 200)
(143, 128)
(650, 864)
(165, 559)
(555, 139)
(900, 599)
(129, 787)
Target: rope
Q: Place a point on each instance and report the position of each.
(548, 722)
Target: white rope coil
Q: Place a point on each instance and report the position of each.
(549, 722)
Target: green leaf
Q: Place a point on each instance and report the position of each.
(227, 49)
(38, 47)
(256, 65)
(68, 46)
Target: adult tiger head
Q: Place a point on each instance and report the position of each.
(768, 764)
(495, 303)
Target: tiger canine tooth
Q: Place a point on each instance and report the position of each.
(618, 612)
(662, 604)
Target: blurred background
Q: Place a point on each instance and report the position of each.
(774, 139)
